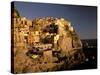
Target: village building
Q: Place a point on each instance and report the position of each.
(46, 38)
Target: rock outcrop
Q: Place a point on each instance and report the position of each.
(44, 44)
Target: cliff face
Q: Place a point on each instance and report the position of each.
(45, 44)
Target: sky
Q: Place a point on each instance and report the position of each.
(83, 18)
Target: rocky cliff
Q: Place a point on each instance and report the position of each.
(45, 44)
